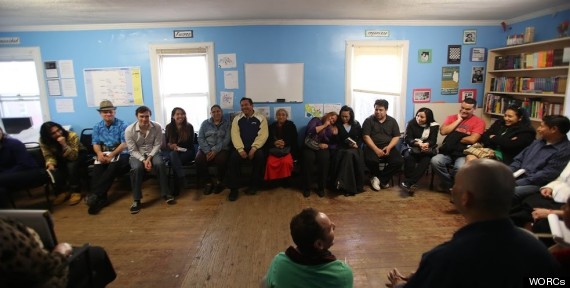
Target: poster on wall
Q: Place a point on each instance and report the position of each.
(454, 54)
(477, 74)
(313, 110)
(422, 95)
(449, 80)
(467, 93)
(122, 86)
(424, 56)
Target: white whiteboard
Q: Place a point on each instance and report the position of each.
(268, 82)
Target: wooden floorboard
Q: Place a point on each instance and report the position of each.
(206, 241)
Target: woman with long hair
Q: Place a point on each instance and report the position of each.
(348, 161)
(63, 154)
(281, 147)
(323, 132)
(508, 136)
(420, 139)
(180, 142)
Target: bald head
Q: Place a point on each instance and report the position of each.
(491, 185)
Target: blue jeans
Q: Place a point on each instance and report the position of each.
(439, 164)
(137, 175)
(178, 159)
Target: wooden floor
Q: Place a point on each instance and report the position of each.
(206, 241)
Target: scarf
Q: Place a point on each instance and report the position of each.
(299, 258)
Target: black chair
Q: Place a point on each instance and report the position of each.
(85, 138)
(46, 180)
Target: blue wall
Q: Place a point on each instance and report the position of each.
(321, 48)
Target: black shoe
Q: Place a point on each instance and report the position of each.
(208, 189)
(136, 207)
(97, 205)
(169, 199)
(233, 194)
(321, 192)
(360, 190)
(219, 188)
(251, 191)
(306, 193)
(384, 185)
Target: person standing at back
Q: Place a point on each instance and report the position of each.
(489, 251)
(249, 133)
(109, 144)
(381, 134)
(461, 129)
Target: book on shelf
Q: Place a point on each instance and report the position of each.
(539, 59)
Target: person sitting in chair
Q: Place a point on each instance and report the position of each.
(63, 154)
(17, 167)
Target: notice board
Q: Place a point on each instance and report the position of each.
(122, 86)
(267, 82)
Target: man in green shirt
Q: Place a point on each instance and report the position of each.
(310, 264)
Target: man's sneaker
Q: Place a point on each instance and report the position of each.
(169, 199)
(97, 205)
(233, 194)
(375, 183)
(136, 207)
(384, 185)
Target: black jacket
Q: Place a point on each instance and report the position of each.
(504, 141)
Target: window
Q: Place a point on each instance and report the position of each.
(183, 76)
(21, 94)
(377, 70)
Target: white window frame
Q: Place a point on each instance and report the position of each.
(404, 45)
(154, 67)
(27, 54)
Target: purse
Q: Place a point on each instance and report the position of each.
(311, 142)
(478, 151)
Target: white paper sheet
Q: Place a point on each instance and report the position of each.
(64, 105)
(53, 87)
(68, 87)
(231, 79)
(227, 100)
(66, 69)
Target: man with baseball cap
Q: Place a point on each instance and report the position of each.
(112, 157)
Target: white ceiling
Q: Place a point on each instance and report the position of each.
(26, 13)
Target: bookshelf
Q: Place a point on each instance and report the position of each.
(530, 75)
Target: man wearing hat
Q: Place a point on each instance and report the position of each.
(109, 144)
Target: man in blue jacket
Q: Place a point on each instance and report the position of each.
(249, 133)
(544, 159)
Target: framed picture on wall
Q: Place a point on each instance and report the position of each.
(478, 54)
(454, 54)
(467, 93)
(422, 95)
(469, 37)
(424, 56)
(477, 74)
